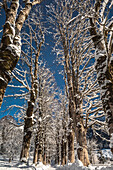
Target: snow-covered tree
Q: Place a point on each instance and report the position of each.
(11, 137)
(100, 27)
(45, 113)
(75, 53)
(10, 46)
(26, 74)
(32, 57)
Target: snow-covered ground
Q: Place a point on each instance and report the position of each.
(78, 167)
(15, 165)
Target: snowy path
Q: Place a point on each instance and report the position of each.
(14, 165)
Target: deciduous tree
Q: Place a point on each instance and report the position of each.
(10, 49)
(75, 53)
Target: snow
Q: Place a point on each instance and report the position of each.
(40, 119)
(111, 141)
(106, 82)
(29, 117)
(12, 29)
(111, 59)
(14, 49)
(1, 78)
(24, 159)
(32, 103)
(41, 166)
(77, 166)
(103, 7)
(111, 4)
(16, 165)
(107, 153)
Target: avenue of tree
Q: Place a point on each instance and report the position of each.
(83, 43)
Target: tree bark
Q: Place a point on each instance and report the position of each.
(71, 153)
(40, 143)
(4, 80)
(48, 158)
(71, 136)
(82, 150)
(38, 153)
(45, 149)
(66, 152)
(80, 132)
(58, 151)
(27, 130)
(44, 157)
(63, 152)
(35, 158)
(104, 68)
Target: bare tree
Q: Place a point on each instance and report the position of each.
(75, 53)
(10, 49)
(100, 27)
(33, 67)
(27, 76)
(44, 113)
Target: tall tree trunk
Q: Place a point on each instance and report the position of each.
(64, 137)
(57, 147)
(104, 68)
(81, 131)
(45, 149)
(44, 157)
(71, 134)
(58, 154)
(48, 158)
(66, 152)
(63, 151)
(82, 150)
(70, 95)
(38, 152)
(35, 158)
(27, 130)
(71, 137)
